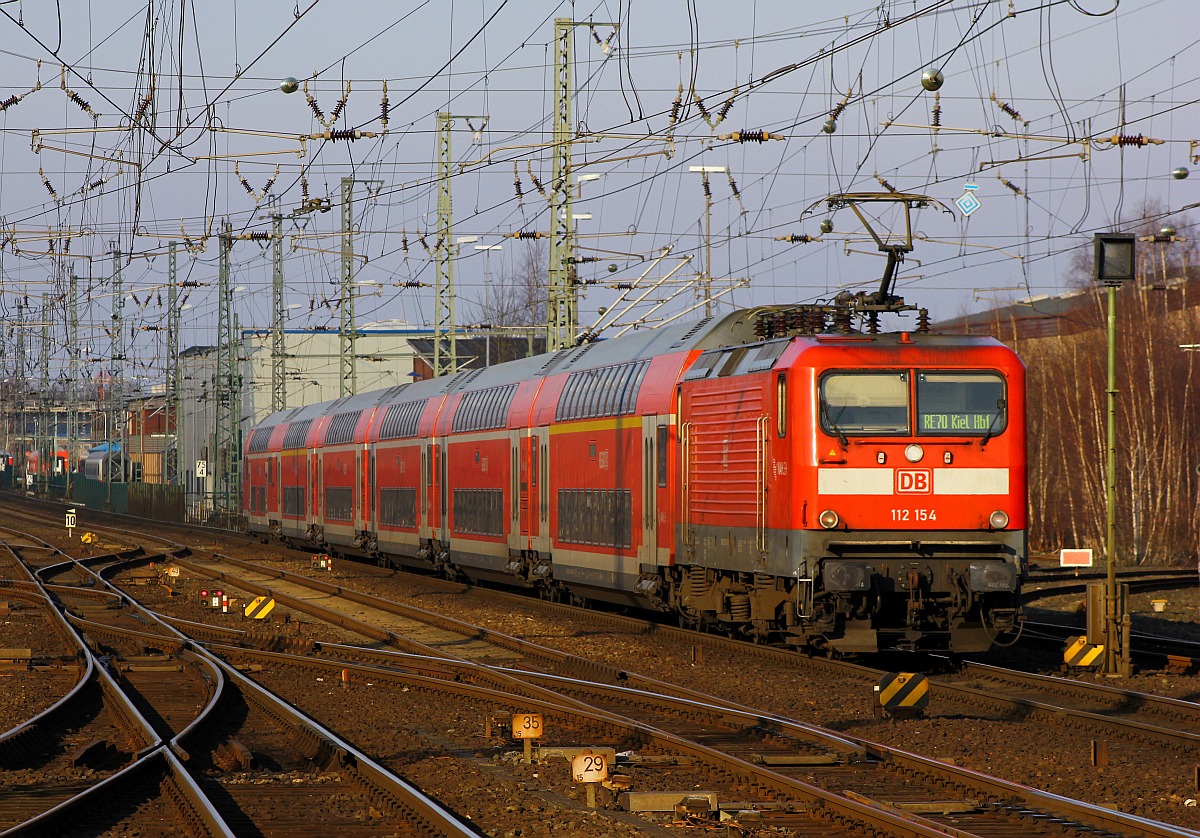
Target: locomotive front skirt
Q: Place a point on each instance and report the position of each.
(845, 492)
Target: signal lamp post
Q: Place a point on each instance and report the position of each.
(1113, 265)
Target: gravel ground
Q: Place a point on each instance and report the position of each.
(26, 692)
(1156, 785)
(1159, 786)
(440, 747)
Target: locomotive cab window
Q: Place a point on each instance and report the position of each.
(864, 403)
(964, 403)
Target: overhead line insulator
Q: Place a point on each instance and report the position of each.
(750, 136)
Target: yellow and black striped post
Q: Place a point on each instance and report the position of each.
(260, 608)
(1080, 654)
(903, 693)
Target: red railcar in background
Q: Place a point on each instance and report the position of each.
(852, 492)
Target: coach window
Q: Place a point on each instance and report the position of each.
(781, 405)
(607, 403)
(864, 403)
(661, 445)
(569, 396)
(961, 403)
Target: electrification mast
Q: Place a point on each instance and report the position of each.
(171, 425)
(116, 381)
(229, 452)
(46, 435)
(346, 328)
(72, 378)
(278, 351)
(445, 345)
(561, 309)
(562, 305)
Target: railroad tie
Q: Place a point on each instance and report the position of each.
(232, 755)
(93, 755)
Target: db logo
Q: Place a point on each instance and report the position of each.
(914, 481)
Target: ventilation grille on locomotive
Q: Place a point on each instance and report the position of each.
(398, 507)
(341, 429)
(605, 391)
(339, 503)
(598, 517)
(297, 433)
(482, 410)
(479, 511)
(400, 421)
(737, 360)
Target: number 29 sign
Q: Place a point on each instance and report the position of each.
(589, 768)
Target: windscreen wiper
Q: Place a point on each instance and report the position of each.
(1000, 405)
(841, 435)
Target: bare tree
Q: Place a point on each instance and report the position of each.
(518, 294)
(1158, 421)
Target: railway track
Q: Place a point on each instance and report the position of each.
(253, 764)
(322, 589)
(1136, 717)
(1044, 585)
(701, 720)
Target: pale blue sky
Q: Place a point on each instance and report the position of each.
(1061, 70)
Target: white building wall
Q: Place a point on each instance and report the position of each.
(314, 366)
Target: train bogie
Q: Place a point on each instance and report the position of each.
(847, 492)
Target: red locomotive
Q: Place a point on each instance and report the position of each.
(798, 484)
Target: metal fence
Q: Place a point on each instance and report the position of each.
(145, 500)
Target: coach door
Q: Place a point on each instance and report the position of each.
(518, 470)
(316, 478)
(539, 489)
(648, 551)
(274, 478)
(365, 488)
(443, 473)
(425, 528)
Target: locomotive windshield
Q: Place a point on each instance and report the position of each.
(865, 403)
(947, 403)
(961, 403)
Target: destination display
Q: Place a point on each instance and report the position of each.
(966, 422)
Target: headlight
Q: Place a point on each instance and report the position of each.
(847, 576)
(913, 452)
(998, 519)
(993, 576)
(828, 519)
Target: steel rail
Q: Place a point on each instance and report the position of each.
(1091, 814)
(152, 770)
(420, 810)
(840, 809)
(787, 656)
(423, 813)
(1025, 804)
